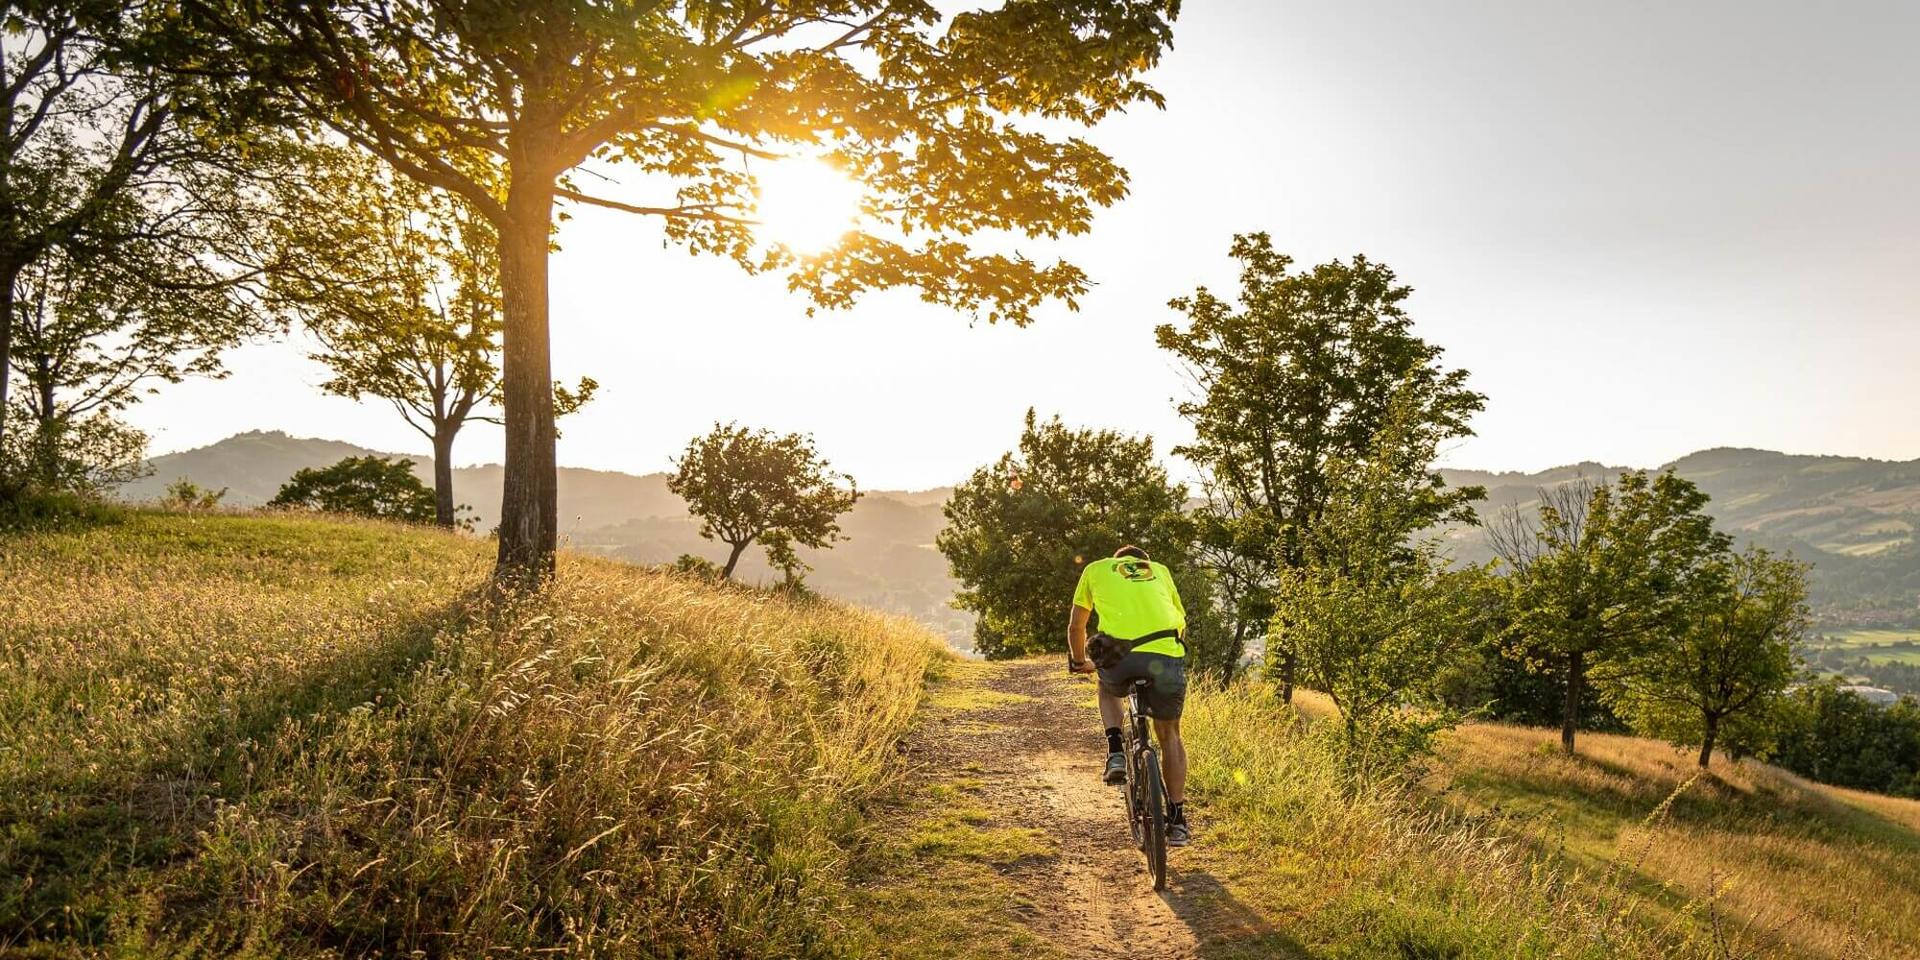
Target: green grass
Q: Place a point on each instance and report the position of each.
(261, 736)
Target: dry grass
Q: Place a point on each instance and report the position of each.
(280, 737)
(1749, 860)
(1510, 850)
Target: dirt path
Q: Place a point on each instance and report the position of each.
(1023, 741)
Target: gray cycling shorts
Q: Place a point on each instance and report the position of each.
(1168, 695)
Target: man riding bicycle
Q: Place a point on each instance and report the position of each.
(1141, 624)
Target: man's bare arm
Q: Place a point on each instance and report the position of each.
(1077, 633)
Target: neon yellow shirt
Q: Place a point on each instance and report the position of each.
(1133, 598)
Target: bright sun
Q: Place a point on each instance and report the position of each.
(805, 205)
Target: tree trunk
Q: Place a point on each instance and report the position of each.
(7, 278)
(443, 473)
(1706, 742)
(1288, 664)
(1570, 714)
(1234, 649)
(529, 507)
(733, 559)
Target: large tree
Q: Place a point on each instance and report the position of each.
(399, 283)
(1303, 371)
(749, 486)
(1019, 529)
(94, 157)
(1601, 572)
(1729, 658)
(498, 101)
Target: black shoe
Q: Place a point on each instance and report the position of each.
(1116, 768)
(1178, 835)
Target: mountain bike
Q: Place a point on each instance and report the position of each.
(1146, 793)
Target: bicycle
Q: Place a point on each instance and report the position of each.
(1146, 792)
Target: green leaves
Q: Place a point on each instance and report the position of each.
(369, 486)
(1020, 528)
(755, 485)
(1302, 375)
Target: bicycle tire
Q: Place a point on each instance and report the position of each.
(1155, 820)
(1134, 806)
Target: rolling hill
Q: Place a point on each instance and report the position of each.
(1853, 518)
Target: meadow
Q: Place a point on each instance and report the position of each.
(276, 736)
(1507, 848)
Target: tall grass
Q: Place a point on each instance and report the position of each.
(1507, 849)
(265, 737)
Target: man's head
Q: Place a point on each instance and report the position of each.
(1131, 551)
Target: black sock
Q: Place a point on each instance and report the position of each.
(1113, 739)
(1177, 812)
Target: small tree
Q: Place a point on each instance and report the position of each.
(1019, 529)
(753, 485)
(94, 332)
(1301, 373)
(100, 167)
(1369, 611)
(1601, 573)
(185, 495)
(400, 284)
(1731, 657)
(378, 487)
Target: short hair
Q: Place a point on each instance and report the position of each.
(1131, 551)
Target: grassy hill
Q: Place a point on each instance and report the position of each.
(274, 736)
(234, 735)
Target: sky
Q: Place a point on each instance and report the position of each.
(1646, 228)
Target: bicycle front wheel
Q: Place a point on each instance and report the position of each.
(1154, 818)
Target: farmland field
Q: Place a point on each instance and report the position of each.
(1878, 646)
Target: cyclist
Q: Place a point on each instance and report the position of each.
(1140, 627)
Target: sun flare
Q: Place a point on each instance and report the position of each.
(805, 205)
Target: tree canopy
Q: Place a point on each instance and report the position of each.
(1601, 572)
(500, 102)
(1729, 657)
(750, 486)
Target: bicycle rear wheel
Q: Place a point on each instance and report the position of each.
(1153, 800)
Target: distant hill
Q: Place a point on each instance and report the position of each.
(1853, 518)
(888, 561)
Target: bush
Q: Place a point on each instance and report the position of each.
(1838, 737)
(23, 510)
(378, 487)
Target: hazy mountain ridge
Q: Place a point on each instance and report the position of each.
(1853, 517)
